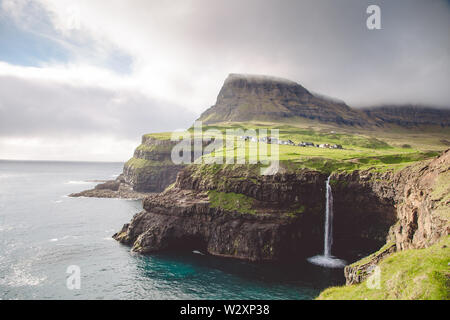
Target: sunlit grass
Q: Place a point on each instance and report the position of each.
(406, 275)
(381, 149)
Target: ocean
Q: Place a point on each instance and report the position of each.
(44, 234)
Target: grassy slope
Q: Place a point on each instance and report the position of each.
(142, 163)
(387, 148)
(379, 148)
(410, 274)
(231, 201)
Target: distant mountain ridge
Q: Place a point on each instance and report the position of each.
(246, 97)
(408, 115)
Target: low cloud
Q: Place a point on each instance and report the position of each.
(142, 66)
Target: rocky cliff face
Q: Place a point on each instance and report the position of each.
(252, 97)
(423, 203)
(283, 219)
(232, 211)
(151, 168)
(364, 209)
(412, 203)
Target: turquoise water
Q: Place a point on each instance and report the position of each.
(43, 232)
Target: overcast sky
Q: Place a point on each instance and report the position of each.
(83, 80)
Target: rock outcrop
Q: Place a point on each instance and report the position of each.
(117, 188)
(412, 206)
(151, 168)
(361, 270)
(423, 203)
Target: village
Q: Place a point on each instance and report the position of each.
(272, 140)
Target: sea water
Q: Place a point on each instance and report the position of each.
(43, 232)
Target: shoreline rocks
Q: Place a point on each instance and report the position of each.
(117, 188)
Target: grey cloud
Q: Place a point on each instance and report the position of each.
(326, 46)
(48, 109)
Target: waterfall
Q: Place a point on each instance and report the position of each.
(328, 238)
(327, 260)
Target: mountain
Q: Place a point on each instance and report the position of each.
(266, 98)
(246, 97)
(390, 189)
(408, 115)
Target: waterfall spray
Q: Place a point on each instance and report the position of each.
(327, 260)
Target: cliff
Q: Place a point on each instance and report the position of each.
(232, 211)
(217, 210)
(151, 168)
(404, 275)
(413, 203)
(276, 100)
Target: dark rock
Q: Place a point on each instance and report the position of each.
(117, 188)
(182, 216)
(360, 271)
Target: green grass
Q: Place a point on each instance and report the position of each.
(138, 164)
(231, 202)
(158, 135)
(161, 148)
(361, 151)
(295, 212)
(377, 149)
(406, 275)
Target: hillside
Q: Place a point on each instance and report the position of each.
(381, 138)
(246, 98)
(389, 182)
